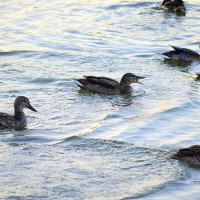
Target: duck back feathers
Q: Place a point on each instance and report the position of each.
(189, 155)
(102, 85)
(182, 54)
(6, 121)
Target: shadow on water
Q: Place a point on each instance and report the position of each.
(21, 128)
(22, 139)
(117, 100)
(14, 52)
(130, 5)
(175, 19)
(168, 14)
(18, 129)
(181, 65)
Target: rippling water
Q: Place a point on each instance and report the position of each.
(88, 146)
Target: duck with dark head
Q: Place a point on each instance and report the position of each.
(19, 118)
(104, 85)
(174, 5)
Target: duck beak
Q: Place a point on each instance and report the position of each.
(140, 77)
(31, 108)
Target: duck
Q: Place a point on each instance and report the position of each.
(18, 119)
(104, 85)
(182, 54)
(197, 77)
(190, 155)
(174, 5)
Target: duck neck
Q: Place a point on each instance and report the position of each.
(125, 88)
(19, 115)
(124, 83)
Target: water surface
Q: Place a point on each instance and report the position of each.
(87, 146)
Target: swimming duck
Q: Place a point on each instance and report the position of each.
(182, 54)
(174, 5)
(19, 118)
(197, 77)
(189, 155)
(104, 85)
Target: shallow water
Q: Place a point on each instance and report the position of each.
(87, 146)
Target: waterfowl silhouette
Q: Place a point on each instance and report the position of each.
(197, 77)
(174, 5)
(104, 85)
(19, 118)
(182, 54)
(189, 155)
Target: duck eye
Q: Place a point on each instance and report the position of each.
(25, 101)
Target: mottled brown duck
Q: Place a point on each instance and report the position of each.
(18, 119)
(182, 54)
(104, 85)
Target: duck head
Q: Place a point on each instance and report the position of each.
(165, 1)
(129, 78)
(177, 1)
(22, 102)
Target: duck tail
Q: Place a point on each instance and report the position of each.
(174, 47)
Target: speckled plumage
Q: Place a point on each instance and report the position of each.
(174, 5)
(18, 119)
(182, 54)
(189, 155)
(104, 85)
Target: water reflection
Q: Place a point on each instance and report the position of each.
(183, 66)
